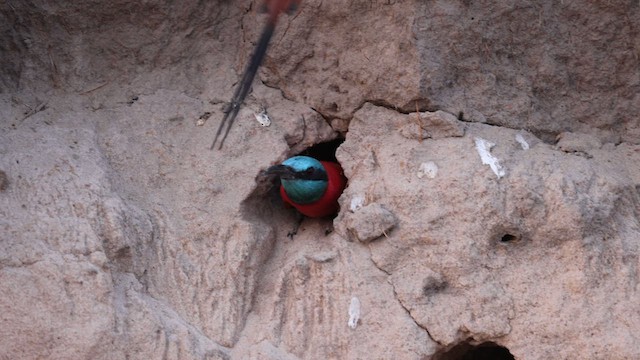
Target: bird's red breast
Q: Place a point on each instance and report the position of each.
(328, 203)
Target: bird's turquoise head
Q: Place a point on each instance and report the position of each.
(303, 178)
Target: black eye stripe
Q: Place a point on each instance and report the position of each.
(312, 173)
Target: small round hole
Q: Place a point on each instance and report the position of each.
(508, 238)
(485, 351)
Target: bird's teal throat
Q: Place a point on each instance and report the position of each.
(302, 191)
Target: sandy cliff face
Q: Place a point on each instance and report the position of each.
(492, 151)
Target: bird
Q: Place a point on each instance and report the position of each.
(309, 185)
(274, 8)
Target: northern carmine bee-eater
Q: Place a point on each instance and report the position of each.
(274, 9)
(309, 185)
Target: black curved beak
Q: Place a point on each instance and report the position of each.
(283, 171)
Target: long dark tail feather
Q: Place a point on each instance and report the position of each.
(245, 84)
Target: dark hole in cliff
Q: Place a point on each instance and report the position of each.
(325, 151)
(506, 238)
(484, 351)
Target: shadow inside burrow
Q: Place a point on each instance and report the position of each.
(508, 234)
(465, 350)
(325, 151)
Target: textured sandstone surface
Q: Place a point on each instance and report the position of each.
(123, 236)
